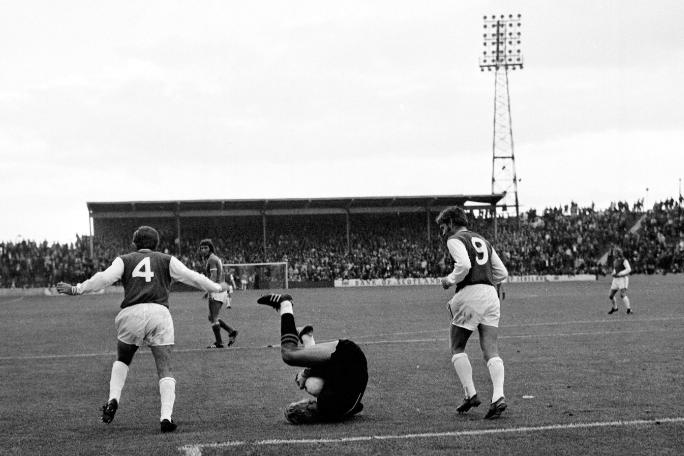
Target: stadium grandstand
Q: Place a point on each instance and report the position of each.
(323, 240)
(316, 237)
(266, 217)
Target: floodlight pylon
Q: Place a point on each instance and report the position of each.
(502, 52)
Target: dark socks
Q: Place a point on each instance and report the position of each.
(225, 326)
(217, 333)
(288, 330)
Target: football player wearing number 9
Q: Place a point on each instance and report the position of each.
(477, 272)
(144, 317)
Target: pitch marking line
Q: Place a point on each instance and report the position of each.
(196, 450)
(525, 325)
(374, 342)
(520, 336)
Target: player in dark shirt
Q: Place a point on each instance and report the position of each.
(213, 268)
(144, 317)
(335, 373)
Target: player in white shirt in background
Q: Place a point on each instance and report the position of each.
(144, 317)
(475, 306)
(232, 286)
(621, 271)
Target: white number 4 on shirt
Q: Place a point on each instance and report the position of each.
(143, 269)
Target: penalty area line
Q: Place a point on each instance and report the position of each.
(196, 450)
(514, 336)
(370, 342)
(525, 325)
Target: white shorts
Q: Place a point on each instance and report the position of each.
(475, 305)
(620, 283)
(145, 323)
(221, 296)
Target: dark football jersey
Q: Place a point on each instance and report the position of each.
(146, 278)
(214, 262)
(345, 378)
(480, 255)
(619, 265)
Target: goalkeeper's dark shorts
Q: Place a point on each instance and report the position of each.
(345, 380)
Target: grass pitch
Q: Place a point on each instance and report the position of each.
(577, 379)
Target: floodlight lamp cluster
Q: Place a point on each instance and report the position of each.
(502, 42)
(502, 16)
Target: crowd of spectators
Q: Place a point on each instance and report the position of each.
(564, 240)
(658, 245)
(560, 240)
(25, 264)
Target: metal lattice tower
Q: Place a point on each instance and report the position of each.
(501, 53)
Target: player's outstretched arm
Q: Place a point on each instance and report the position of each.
(97, 282)
(67, 288)
(183, 274)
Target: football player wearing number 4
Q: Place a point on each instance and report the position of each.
(478, 271)
(144, 317)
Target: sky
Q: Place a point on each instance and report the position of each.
(179, 100)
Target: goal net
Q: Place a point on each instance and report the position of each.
(257, 275)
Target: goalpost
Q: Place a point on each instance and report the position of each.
(259, 275)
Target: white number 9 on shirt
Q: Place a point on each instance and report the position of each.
(481, 249)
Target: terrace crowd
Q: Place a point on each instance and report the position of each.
(560, 240)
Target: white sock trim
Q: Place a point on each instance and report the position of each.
(286, 307)
(457, 356)
(494, 360)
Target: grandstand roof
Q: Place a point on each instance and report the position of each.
(287, 206)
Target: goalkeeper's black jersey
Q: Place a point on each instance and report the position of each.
(345, 379)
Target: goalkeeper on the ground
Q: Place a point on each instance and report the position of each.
(335, 373)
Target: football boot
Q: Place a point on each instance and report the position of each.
(468, 403)
(109, 410)
(496, 408)
(168, 425)
(231, 337)
(274, 300)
